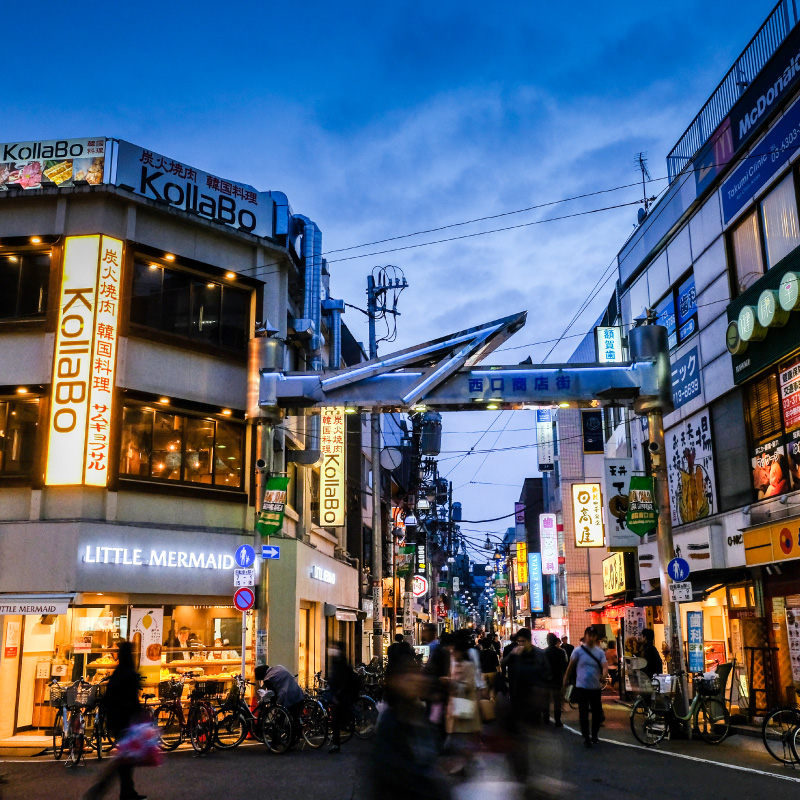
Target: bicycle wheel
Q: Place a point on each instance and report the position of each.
(276, 729)
(202, 728)
(365, 718)
(98, 733)
(711, 720)
(58, 735)
(778, 731)
(647, 725)
(77, 740)
(313, 723)
(231, 729)
(169, 727)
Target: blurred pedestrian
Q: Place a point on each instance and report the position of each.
(463, 720)
(557, 662)
(121, 707)
(590, 670)
(343, 686)
(567, 647)
(399, 653)
(654, 665)
(490, 664)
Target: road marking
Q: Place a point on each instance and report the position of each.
(693, 758)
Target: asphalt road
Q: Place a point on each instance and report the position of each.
(617, 769)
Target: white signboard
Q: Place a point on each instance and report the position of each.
(548, 539)
(587, 509)
(609, 345)
(793, 631)
(544, 440)
(244, 577)
(149, 624)
(616, 479)
(52, 163)
(332, 502)
(681, 592)
(37, 606)
(634, 621)
(690, 469)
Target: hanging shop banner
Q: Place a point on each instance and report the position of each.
(614, 577)
(52, 163)
(685, 373)
(522, 564)
(634, 622)
(405, 558)
(226, 202)
(592, 431)
(519, 513)
(690, 469)
(587, 508)
(616, 477)
(793, 631)
(609, 345)
(544, 440)
(694, 625)
(85, 362)
(270, 521)
(536, 590)
(548, 541)
(146, 628)
(332, 469)
(642, 515)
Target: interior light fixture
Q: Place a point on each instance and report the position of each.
(169, 257)
(419, 407)
(210, 285)
(492, 406)
(230, 275)
(226, 412)
(154, 266)
(163, 400)
(14, 259)
(36, 240)
(350, 410)
(22, 390)
(563, 405)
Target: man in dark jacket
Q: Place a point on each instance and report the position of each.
(343, 685)
(399, 654)
(557, 662)
(654, 666)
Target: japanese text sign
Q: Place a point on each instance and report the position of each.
(614, 574)
(545, 446)
(522, 564)
(333, 500)
(790, 395)
(609, 345)
(85, 362)
(587, 508)
(685, 378)
(270, 520)
(52, 163)
(694, 625)
(642, 515)
(535, 581)
(548, 541)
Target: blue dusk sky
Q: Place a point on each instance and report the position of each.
(388, 118)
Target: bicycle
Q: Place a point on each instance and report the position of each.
(362, 720)
(269, 723)
(653, 714)
(69, 727)
(197, 723)
(779, 732)
(99, 736)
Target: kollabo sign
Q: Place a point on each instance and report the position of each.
(160, 178)
(171, 559)
(52, 163)
(85, 362)
(332, 471)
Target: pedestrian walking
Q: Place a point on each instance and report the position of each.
(567, 647)
(557, 662)
(490, 664)
(463, 717)
(121, 707)
(654, 665)
(399, 654)
(343, 685)
(589, 668)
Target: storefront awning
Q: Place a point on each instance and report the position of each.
(344, 613)
(703, 583)
(35, 603)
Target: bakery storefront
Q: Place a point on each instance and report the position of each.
(168, 591)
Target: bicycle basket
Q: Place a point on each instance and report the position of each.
(57, 692)
(78, 695)
(707, 686)
(209, 690)
(167, 690)
(95, 694)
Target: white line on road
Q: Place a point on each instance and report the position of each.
(693, 758)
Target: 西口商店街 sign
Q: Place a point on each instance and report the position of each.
(172, 559)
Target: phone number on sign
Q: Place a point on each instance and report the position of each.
(688, 391)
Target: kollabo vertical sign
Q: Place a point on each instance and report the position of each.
(333, 501)
(85, 362)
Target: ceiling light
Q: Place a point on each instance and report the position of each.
(36, 240)
(154, 266)
(163, 400)
(563, 405)
(13, 258)
(349, 410)
(210, 285)
(226, 412)
(169, 257)
(230, 275)
(492, 406)
(22, 390)
(419, 407)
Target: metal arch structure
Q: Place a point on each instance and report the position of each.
(446, 374)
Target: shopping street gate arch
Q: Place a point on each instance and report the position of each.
(446, 374)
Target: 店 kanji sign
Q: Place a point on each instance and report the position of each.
(333, 500)
(587, 508)
(85, 362)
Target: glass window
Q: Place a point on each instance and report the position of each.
(228, 464)
(146, 295)
(18, 421)
(167, 446)
(747, 253)
(779, 210)
(205, 311)
(235, 317)
(24, 278)
(665, 315)
(137, 441)
(175, 303)
(199, 450)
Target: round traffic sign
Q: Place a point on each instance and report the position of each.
(244, 599)
(678, 569)
(245, 556)
(420, 585)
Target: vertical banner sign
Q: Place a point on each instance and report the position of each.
(694, 623)
(793, 631)
(616, 474)
(85, 362)
(544, 440)
(535, 581)
(587, 509)
(333, 500)
(592, 431)
(522, 563)
(270, 521)
(634, 622)
(519, 513)
(609, 345)
(642, 512)
(548, 539)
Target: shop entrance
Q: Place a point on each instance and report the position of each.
(306, 646)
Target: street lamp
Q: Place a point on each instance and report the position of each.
(488, 545)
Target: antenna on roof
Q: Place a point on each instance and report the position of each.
(641, 164)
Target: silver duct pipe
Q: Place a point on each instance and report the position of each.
(335, 308)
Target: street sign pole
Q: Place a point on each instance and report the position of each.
(244, 640)
(265, 455)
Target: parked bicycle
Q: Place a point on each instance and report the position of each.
(74, 702)
(361, 721)
(653, 714)
(268, 722)
(197, 722)
(779, 734)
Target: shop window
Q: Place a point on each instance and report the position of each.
(18, 421)
(314, 492)
(730, 451)
(175, 302)
(779, 216)
(181, 448)
(747, 256)
(677, 312)
(24, 278)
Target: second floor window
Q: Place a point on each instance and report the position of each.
(24, 278)
(18, 421)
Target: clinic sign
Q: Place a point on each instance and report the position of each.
(84, 366)
(332, 471)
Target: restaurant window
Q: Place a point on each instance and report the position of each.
(18, 421)
(24, 278)
(677, 312)
(177, 303)
(176, 447)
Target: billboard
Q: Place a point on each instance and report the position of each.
(332, 502)
(52, 163)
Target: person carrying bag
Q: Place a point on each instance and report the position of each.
(589, 667)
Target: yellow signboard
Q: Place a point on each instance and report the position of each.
(770, 543)
(587, 508)
(85, 362)
(332, 503)
(522, 562)
(614, 574)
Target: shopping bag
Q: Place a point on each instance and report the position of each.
(568, 692)
(139, 746)
(487, 710)
(463, 708)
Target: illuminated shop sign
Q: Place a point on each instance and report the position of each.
(332, 471)
(587, 507)
(52, 163)
(85, 362)
(609, 345)
(171, 559)
(614, 574)
(548, 540)
(324, 575)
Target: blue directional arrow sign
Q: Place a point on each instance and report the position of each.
(245, 556)
(678, 569)
(268, 551)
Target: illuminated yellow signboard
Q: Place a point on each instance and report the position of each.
(85, 362)
(614, 574)
(522, 563)
(332, 502)
(587, 508)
